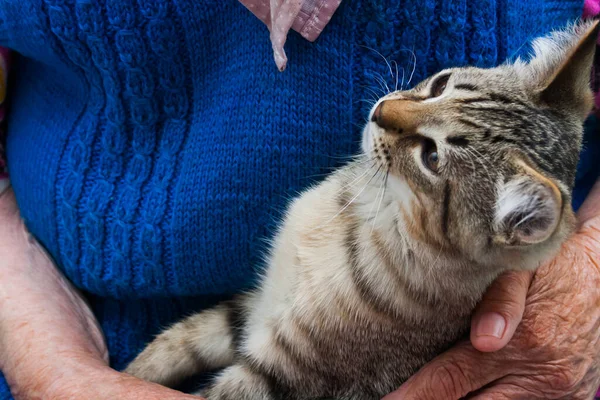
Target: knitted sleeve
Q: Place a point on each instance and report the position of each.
(4, 59)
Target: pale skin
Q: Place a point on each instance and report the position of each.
(51, 345)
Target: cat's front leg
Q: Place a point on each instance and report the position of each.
(200, 343)
(239, 382)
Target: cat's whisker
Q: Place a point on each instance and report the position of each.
(353, 182)
(372, 99)
(381, 55)
(470, 155)
(466, 157)
(370, 102)
(359, 125)
(480, 159)
(336, 167)
(525, 219)
(477, 151)
(351, 157)
(316, 175)
(382, 83)
(414, 56)
(352, 199)
(371, 91)
(358, 162)
(402, 84)
(384, 186)
(396, 65)
(480, 162)
(371, 213)
(430, 270)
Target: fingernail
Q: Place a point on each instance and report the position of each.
(491, 324)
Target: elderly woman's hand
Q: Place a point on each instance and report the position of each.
(555, 350)
(51, 346)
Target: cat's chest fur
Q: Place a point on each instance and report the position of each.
(321, 315)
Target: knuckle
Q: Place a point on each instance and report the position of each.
(566, 378)
(509, 308)
(516, 280)
(451, 379)
(557, 380)
(537, 335)
(513, 283)
(507, 295)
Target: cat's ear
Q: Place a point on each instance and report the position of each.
(563, 66)
(528, 209)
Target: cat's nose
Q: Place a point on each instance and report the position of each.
(377, 114)
(396, 116)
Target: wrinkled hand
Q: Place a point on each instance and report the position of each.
(105, 384)
(51, 346)
(555, 350)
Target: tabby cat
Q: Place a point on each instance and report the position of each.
(377, 269)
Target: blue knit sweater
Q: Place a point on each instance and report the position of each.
(152, 144)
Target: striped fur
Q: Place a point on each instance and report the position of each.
(377, 269)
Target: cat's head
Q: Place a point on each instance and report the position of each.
(490, 155)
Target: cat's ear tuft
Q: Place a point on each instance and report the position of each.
(528, 210)
(561, 68)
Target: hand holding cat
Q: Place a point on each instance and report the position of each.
(555, 350)
(51, 346)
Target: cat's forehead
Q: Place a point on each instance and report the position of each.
(501, 78)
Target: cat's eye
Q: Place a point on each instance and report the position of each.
(429, 155)
(438, 87)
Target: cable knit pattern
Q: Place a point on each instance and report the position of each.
(113, 189)
(153, 146)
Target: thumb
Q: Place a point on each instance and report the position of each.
(452, 375)
(497, 316)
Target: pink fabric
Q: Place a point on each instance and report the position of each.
(591, 8)
(307, 17)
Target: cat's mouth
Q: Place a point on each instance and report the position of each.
(381, 150)
(376, 144)
(367, 139)
(372, 140)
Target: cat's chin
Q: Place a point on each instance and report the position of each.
(367, 139)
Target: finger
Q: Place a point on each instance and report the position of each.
(500, 311)
(452, 375)
(517, 387)
(533, 387)
(591, 206)
(503, 391)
